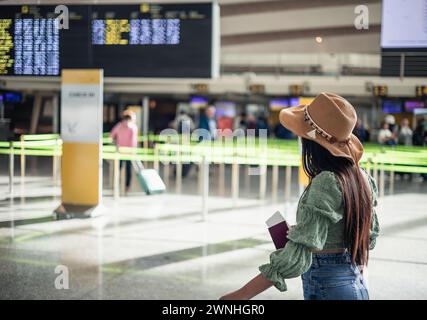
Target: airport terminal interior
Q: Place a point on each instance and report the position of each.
(142, 152)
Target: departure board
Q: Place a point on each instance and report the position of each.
(140, 31)
(138, 40)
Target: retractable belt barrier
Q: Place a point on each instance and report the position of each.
(168, 150)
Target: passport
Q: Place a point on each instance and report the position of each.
(278, 229)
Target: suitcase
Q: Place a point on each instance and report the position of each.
(148, 179)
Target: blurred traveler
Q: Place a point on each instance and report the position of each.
(183, 122)
(261, 125)
(420, 138)
(208, 122)
(240, 122)
(282, 133)
(385, 136)
(251, 122)
(360, 131)
(336, 220)
(420, 133)
(404, 136)
(125, 134)
(391, 121)
(240, 125)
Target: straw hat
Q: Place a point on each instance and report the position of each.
(329, 120)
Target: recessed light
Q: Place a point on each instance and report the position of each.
(319, 39)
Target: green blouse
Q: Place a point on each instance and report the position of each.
(319, 226)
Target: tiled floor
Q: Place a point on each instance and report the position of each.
(157, 247)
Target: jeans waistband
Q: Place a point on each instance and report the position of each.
(331, 258)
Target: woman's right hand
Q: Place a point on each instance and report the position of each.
(289, 230)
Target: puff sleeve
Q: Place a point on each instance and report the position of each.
(317, 210)
(375, 226)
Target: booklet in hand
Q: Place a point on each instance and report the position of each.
(278, 228)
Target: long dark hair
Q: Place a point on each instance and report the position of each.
(356, 196)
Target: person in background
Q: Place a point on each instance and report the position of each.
(208, 122)
(251, 122)
(262, 124)
(360, 131)
(391, 121)
(368, 133)
(385, 136)
(240, 125)
(182, 122)
(240, 121)
(419, 138)
(404, 135)
(282, 133)
(125, 134)
(420, 133)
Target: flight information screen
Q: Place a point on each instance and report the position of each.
(140, 40)
(404, 24)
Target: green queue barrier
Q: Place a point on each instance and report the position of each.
(227, 151)
(32, 152)
(272, 142)
(40, 137)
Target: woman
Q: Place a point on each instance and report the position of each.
(125, 134)
(336, 222)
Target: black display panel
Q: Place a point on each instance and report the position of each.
(138, 40)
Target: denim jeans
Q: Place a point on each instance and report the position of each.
(333, 277)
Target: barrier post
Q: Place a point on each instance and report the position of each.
(156, 158)
(247, 177)
(111, 174)
(274, 182)
(116, 190)
(200, 178)
(221, 177)
(262, 181)
(166, 172)
(391, 186)
(178, 175)
(382, 182)
(11, 168)
(235, 182)
(288, 177)
(368, 166)
(22, 157)
(375, 170)
(205, 187)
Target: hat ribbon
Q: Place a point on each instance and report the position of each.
(330, 138)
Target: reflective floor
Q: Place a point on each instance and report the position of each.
(158, 247)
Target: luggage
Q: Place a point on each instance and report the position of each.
(148, 179)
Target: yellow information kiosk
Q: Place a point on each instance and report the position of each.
(81, 133)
